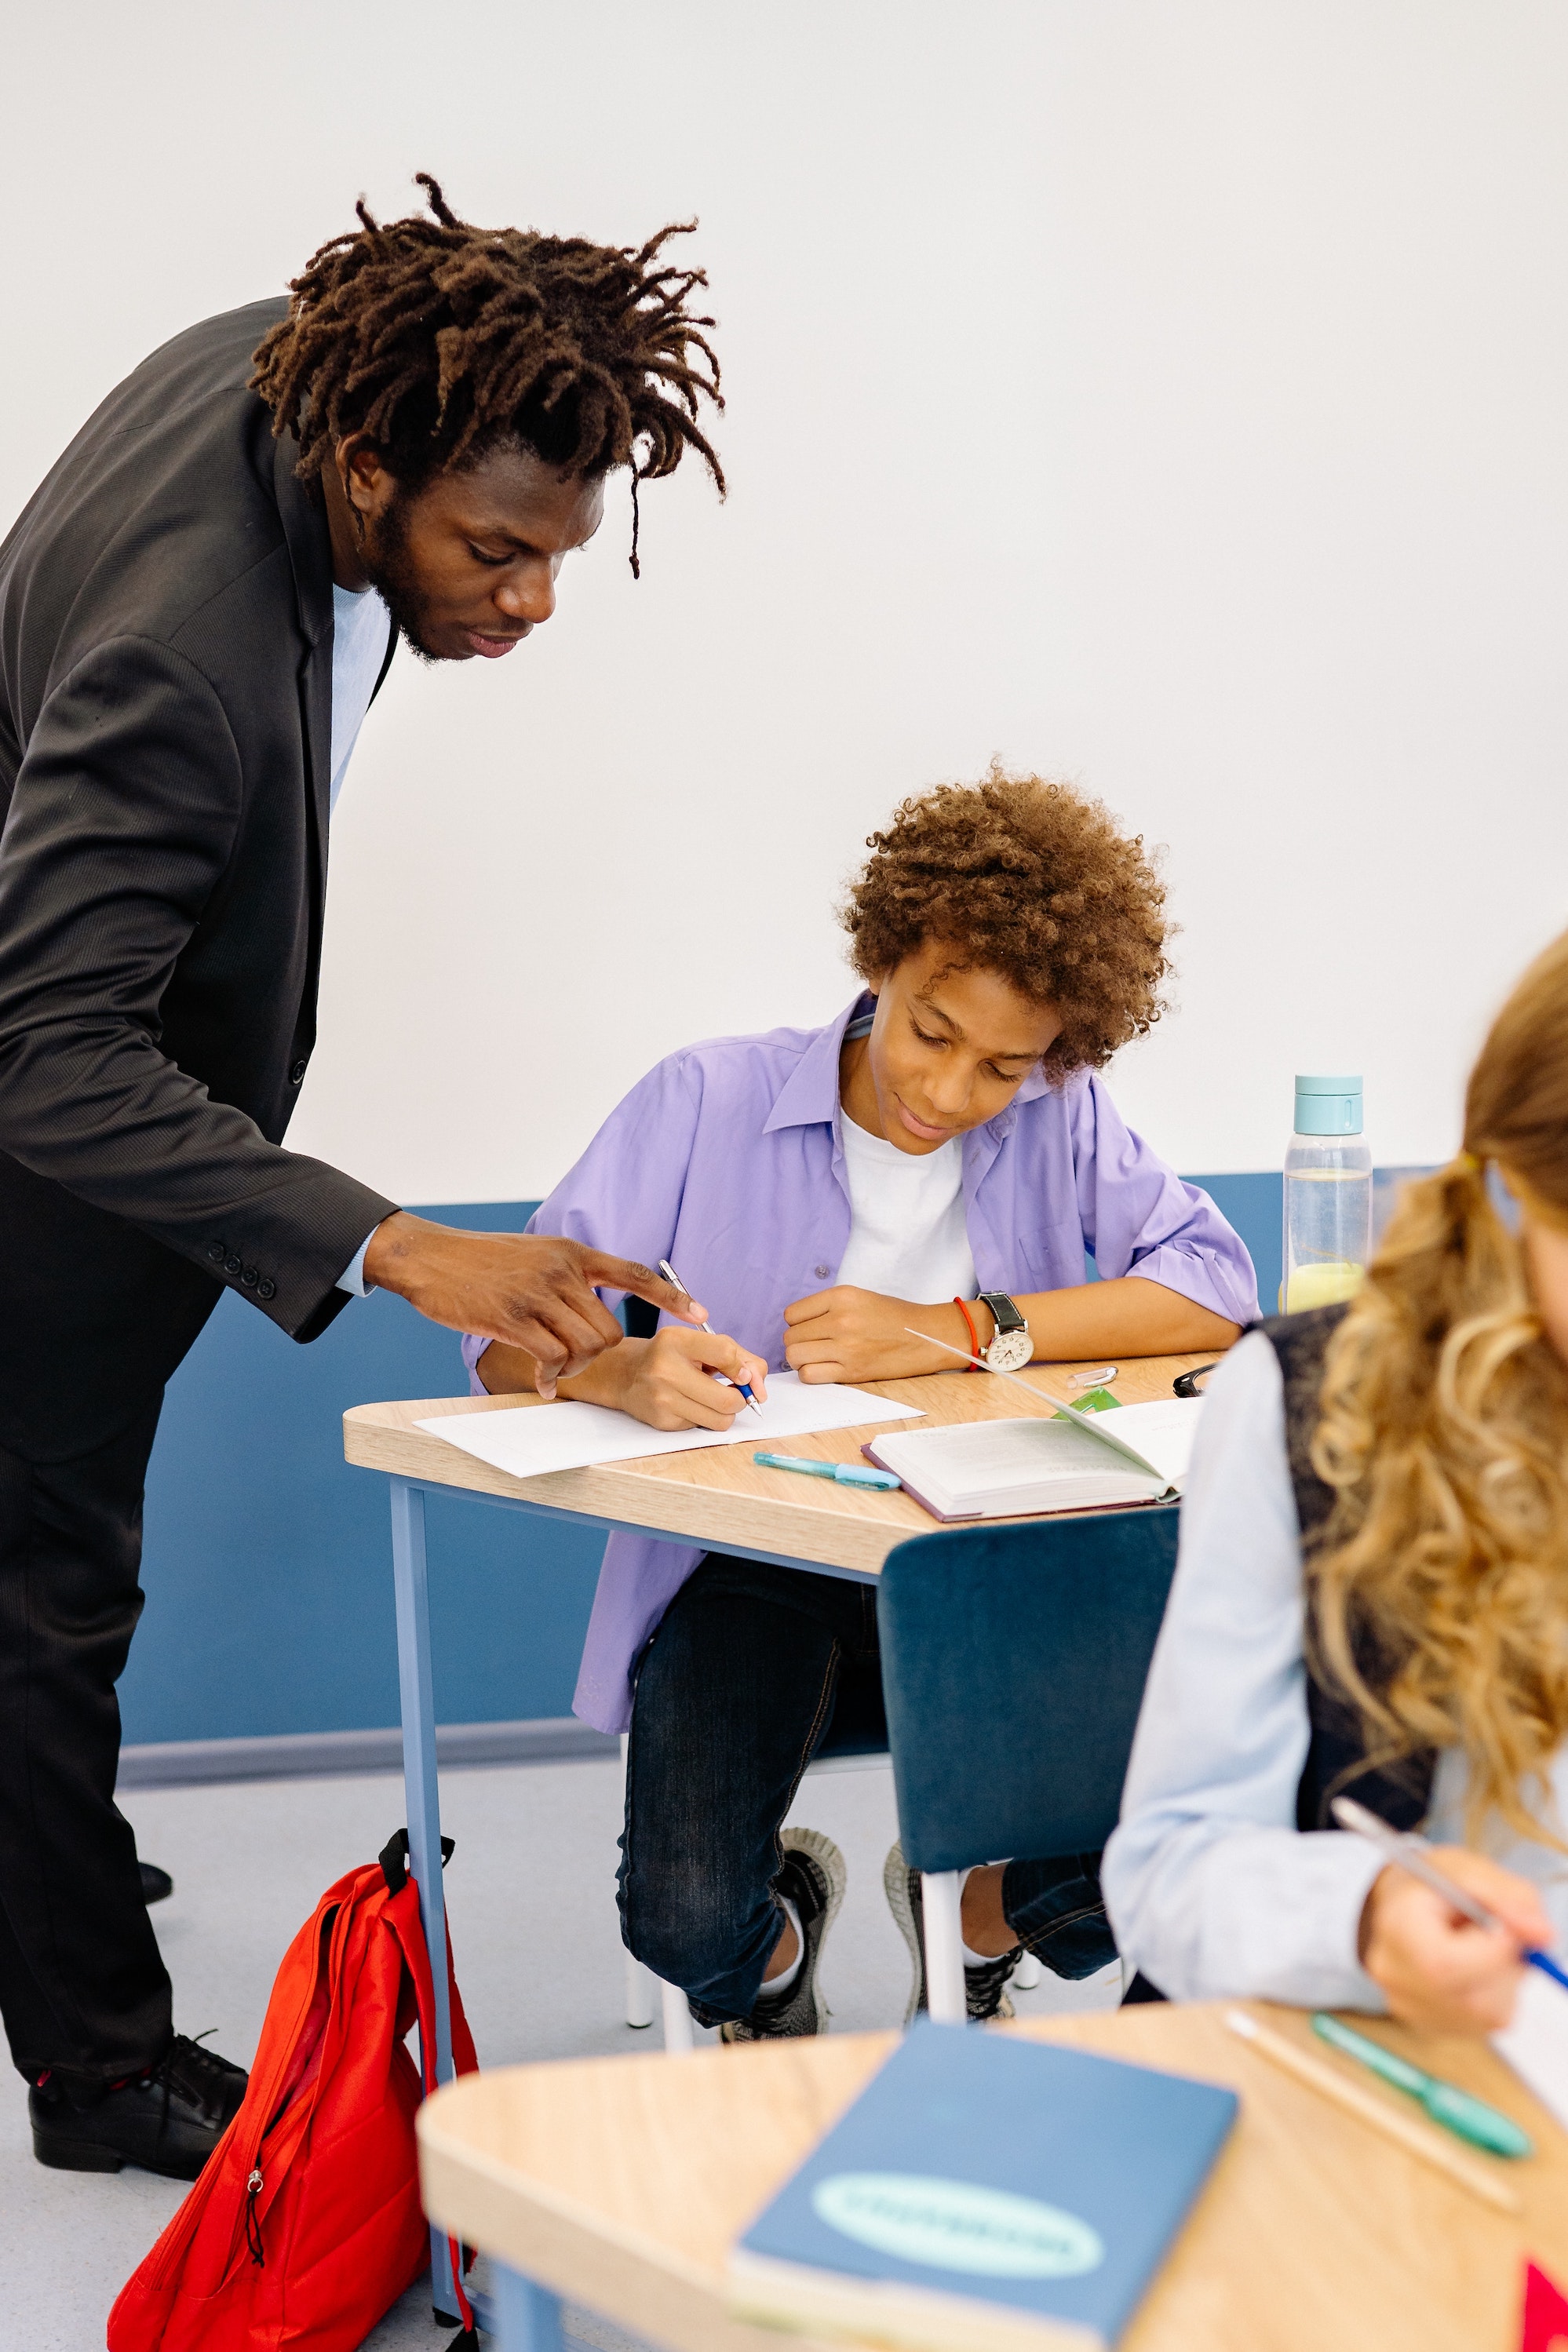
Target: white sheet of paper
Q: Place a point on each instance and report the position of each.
(570, 1436)
(1536, 2043)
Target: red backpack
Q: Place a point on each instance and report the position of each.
(305, 2225)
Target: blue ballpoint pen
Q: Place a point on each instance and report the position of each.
(670, 1276)
(1412, 1853)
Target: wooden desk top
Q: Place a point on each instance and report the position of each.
(621, 2183)
(719, 1495)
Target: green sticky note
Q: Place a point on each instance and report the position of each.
(1097, 1401)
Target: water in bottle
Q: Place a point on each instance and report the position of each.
(1327, 1196)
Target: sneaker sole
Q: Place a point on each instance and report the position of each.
(896, 1887)
(831, 1863)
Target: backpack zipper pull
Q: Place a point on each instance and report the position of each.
(252, 2226)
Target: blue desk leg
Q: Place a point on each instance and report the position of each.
(423, 1801)
(528, 2317)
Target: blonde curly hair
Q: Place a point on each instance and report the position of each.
(1439, 1587)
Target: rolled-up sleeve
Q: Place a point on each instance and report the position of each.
(1139, 1218)
(1212, 1890)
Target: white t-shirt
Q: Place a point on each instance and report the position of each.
(907, 1234)
(360, 628)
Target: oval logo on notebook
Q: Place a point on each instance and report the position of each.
(953, 2225)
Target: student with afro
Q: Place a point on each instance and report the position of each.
(942, 1155)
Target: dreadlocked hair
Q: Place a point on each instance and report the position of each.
(441, 341)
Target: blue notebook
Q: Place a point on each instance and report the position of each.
(985, 2194)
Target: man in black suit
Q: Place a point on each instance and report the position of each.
(195, 609)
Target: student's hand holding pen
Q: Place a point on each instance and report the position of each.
(1438, 1971)
(667, 1381)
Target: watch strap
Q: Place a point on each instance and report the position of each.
(1005, 1312)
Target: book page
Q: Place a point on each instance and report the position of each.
(1162, 1433)
(982, 1458)
(572, 1435)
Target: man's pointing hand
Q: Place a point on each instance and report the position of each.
(532, 1291)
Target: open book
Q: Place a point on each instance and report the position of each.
(1078, 1462)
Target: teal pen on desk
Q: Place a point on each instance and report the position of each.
(671, 1276)
(1457, 2111)
(848, 1474)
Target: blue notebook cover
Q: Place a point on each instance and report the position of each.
(1035, 2183)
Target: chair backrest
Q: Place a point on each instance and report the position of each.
(1013, 1660)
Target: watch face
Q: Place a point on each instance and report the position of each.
(1008, 1350)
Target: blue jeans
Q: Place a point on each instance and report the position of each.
(749, 1670)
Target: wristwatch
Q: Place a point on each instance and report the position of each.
(1012, 1345)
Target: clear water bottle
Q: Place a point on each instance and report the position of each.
(1327, 1197)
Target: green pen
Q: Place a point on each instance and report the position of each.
(848, 1474)
(1457, 2110)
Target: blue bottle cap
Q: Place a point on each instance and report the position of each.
(1328, 1105)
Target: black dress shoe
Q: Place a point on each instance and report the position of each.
(168, 2120)
(155, 1883)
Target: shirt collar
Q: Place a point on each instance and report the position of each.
(809, 1096)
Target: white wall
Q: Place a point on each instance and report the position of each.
(1174, 398)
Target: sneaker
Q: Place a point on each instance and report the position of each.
(813, 1877)
(985, 1990)
(168, 2119)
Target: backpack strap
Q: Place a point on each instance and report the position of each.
(402, 1916)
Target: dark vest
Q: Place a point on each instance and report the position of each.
(1401, 1792)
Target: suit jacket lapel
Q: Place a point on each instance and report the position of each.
(310, 553)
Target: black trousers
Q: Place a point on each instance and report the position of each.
(83, 1990)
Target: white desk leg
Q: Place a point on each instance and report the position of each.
(944, 1947)
(418, 1706)
(639, 1980)
(1028, 1972)
(528, 2317)
(678, 2037)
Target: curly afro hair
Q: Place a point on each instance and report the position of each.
(1031, 880)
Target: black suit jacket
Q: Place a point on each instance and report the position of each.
(165, 732)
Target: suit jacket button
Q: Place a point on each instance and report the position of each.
(264, 1289)
(297, 1075)
(216, 1252)
(231, 1265)
(250, 1277)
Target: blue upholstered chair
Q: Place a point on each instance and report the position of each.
(1013, 1660)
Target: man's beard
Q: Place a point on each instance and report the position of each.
(388, 566)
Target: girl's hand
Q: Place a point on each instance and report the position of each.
(1438, 1969)
(859, 1335)
(668, 1381)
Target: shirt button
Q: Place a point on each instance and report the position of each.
(822, 1271)
(297, 1075)
(231, 1265)
(250, 1277)
(264, 1289)
(216, 1252)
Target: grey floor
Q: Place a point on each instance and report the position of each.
(530, 1891)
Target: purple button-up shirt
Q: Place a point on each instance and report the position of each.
(728, 1159)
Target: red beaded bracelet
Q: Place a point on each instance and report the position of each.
(973, 1334)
